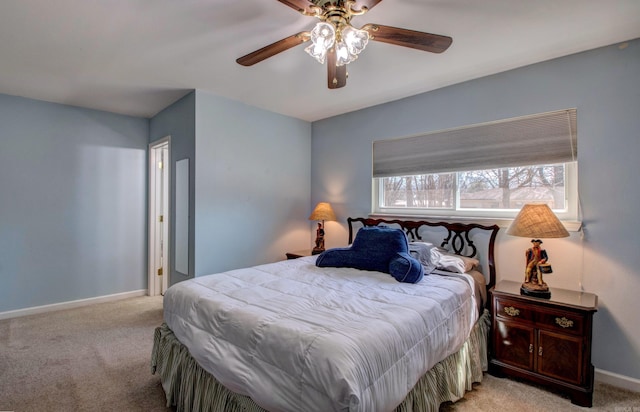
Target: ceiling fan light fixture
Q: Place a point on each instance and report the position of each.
(336, 41)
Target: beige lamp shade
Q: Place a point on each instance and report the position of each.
(537, 221)
(323, 211)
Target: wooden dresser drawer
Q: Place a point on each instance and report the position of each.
(511, 309)
(565, 322)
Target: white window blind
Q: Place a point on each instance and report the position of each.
(546, 138)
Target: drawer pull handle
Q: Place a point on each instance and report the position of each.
(531, 348)
(511, 311)
(564, 322)
(540, 351)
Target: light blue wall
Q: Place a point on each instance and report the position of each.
(604, 86)
(179, 122)
(73, 194)
(72, 203)
(249, 181)
(252, 185)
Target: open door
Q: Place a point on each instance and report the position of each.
(159, 165)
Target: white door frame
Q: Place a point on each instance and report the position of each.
(159, 215)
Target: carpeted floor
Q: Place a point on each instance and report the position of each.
(496, 394)
(97, 358)
(94, 358)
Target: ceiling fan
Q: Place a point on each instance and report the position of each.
(337, 42)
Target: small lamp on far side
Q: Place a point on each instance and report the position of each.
(536, 221)
(322, 212)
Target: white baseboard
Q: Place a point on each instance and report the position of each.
(619, 381)
(72, 304)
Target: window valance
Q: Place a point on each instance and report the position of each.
(546, 138)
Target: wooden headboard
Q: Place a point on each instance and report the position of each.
(466, 239)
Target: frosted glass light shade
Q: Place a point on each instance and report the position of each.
(352, 42)
(342, 54)
(323, 36)
(355, 40)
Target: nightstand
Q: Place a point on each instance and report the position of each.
(298, 254)
(545, 341)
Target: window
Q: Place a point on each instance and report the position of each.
(485, 170)
(487, 192)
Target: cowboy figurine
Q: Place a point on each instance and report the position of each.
(535, 256)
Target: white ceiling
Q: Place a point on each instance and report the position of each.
(138, 56)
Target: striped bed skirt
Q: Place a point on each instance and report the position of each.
(188, 387)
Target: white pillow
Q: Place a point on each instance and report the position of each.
(426, 253)
(433, 257)
(456, 263)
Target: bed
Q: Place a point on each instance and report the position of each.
(292, 336)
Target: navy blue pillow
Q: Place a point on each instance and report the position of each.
(405, 268)
(375, 248)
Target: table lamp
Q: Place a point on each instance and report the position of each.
(322, 212)
(536, 221)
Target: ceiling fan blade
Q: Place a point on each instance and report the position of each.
(336, 75)
(298, 5)
(273, 49)
(433, 43)
(369, 4)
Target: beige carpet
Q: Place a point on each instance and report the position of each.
(97, 358)
(94, 358)
(496, 394)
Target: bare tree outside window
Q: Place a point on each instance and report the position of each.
(507, 188)
(511, 188)
(433, 191)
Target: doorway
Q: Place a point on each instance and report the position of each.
(159, 173)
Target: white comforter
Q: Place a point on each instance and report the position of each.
(295, 337)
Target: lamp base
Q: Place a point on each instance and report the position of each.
(535, 290)
(317, 251)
